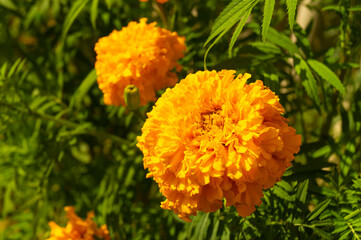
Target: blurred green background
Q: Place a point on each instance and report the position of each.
(60, 145)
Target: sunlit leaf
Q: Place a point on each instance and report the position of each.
(322, 234)
(83, 89)
(325, 73)
(302, 191)
(73, 13)
(282, 41)
(308, 80)
(291, 9)
(318, 210)
(234, 11)
(355, 8)
(94, 12)
(279, 192)
(238, 30)
(8, 4)
(267, 16)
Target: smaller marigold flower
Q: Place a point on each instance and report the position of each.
(140, 54)
(214, 137)
(77, 228)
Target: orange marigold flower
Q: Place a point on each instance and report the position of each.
(140, 54)
(214, 137)
(77, 228)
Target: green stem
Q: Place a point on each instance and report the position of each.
(68, 124)
(344, 37)
(304, 133)
(327, 123)
(139, 115)
(162, 14)
(353, 231)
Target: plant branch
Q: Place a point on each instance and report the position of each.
(68, 124)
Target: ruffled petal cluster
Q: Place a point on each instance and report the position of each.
(140, 54)
(78, 229)
(214, 137)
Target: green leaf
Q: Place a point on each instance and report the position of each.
(272, 81)
(94, 12)
(345, 235)
(73, 13)
(321, 152)
(265, 48)
(325, 73)
(322, 234)
(308, 80)
(347, 158)
(8, 4)
(202, 227)
(285, 185)
(47, 106)
(352, 65)
(238, 30)
(312, 146)
(267, 16)
(209, 48)
(279, 192)
(14, 67)
(8, 201)
(282, 41)
(215, 229)
(226, 235)
(271, 78)
(130, 176)
(302, 41)
(357, 184)
(37, 102)
(356, 8)
(109, 3)
(291, 8)
(302, 191)
(229, 17)
(318, 210)
(352, 214)
(83, 89)
(336, 8)
(340, 228)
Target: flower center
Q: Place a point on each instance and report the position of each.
(209, 120)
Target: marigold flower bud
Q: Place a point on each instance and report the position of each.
(132, 97)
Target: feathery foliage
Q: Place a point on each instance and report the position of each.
(60, 145)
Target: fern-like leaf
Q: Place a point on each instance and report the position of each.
(229, 17)
(238, 31)
(291, 8)
(267, 16)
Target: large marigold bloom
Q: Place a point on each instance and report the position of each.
(77, 228)
(140, 54)
(214, 137)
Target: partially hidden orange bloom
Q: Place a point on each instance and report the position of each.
(140, 54)
(214, 137)
(77, 228)
(160, 1)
